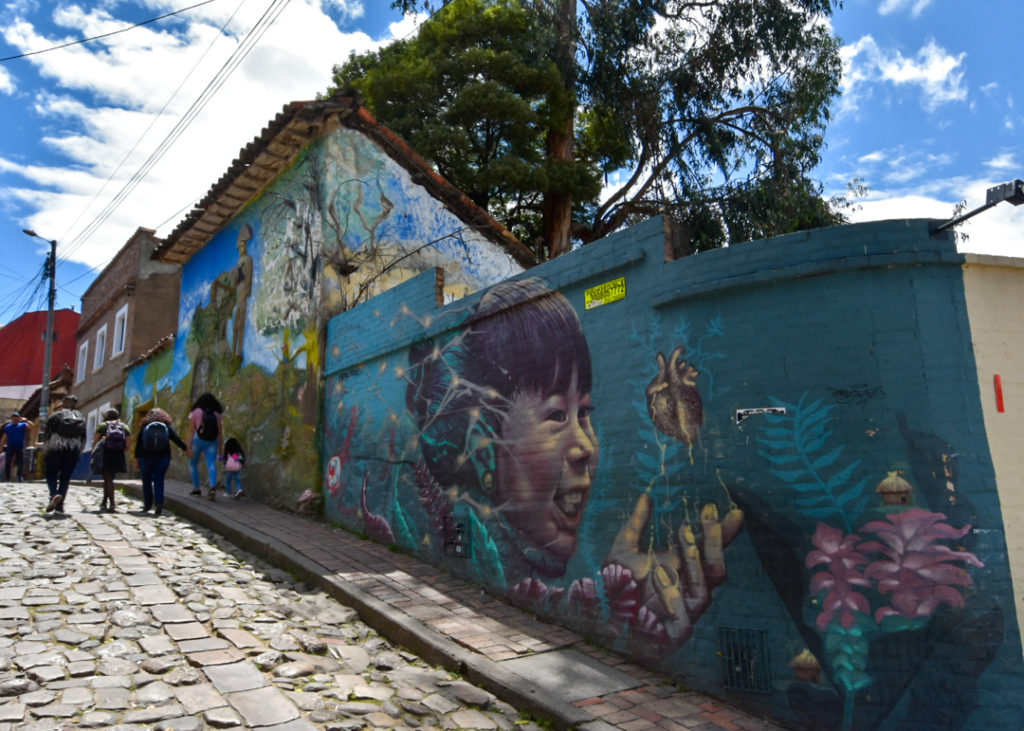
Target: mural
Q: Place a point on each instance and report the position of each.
(602, 469)
(343, 223)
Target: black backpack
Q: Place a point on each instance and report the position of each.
(208, 427)
(117, 438)
(70, 423)
(155, 437)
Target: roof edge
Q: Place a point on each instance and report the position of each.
(291, 131)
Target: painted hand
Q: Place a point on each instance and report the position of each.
(673, 586)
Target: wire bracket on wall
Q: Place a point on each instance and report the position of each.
(456, 538)
(743, 414)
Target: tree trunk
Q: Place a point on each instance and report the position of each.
(558, 204)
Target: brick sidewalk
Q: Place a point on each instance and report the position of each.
(449, 621)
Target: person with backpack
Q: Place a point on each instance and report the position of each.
(153, 456)
(12, 442)
(64, 441)
(205, 437)
(234, 460)
(116, 440)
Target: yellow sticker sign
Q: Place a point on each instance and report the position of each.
(606, 293)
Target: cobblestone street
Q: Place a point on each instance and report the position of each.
(129, 621)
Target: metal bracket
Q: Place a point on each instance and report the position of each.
(743, 414)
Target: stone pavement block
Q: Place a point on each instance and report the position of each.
(150, 595)
(264, 706)
(12, 712)
(113, 699)
(186, 631)
(239, 638)
(171, 613)
(157, 645)
(236, 677)
(152, 714)
(215, 657)
(199, 698)
(143, 578)
(472, 718)
(205, 644)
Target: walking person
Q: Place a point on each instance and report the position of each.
(205, 437)
(234, 461)
(65, 438)
(12, 441)
(153, 456)
(116, 438)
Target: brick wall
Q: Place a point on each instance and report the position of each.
(770, 423)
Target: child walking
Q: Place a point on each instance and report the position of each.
(234, 460)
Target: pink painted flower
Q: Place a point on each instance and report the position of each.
(918, 572)
(842, 561)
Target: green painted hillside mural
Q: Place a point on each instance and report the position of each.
(763, 470)
(343, 223)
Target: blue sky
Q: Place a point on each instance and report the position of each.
(930, 114)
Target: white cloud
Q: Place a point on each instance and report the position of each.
(996, 231)
(938, 74)
(6, 82)
(934, 70)
(893, 6)
(1005, 161)
(348, 9)
(872, 157)
(104, 95)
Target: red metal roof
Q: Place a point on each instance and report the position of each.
(22, 347)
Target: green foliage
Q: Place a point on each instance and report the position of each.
(475, 93)
(712, 112)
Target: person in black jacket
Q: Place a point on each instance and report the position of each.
(153, 455)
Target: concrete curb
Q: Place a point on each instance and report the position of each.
(393, 624)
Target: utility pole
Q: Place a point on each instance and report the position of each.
(51, 272)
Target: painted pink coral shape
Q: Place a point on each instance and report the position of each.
(842, 561)
(918, 573)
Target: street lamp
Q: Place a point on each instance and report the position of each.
(1012, 192)
(50, 271)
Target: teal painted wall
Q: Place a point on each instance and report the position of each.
(594, 465)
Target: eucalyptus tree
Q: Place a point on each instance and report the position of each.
(569, 120)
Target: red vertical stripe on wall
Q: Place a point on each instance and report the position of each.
(999, 393)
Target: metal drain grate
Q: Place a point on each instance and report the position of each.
(744, 655)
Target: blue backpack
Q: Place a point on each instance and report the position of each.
(156, 437)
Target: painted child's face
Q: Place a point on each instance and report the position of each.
(546, 458)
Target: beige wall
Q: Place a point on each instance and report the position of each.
(994, 288)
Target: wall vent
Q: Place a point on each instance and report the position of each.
(744, 654)
(456, 538)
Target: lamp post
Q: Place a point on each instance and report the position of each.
(1011, 192)
(51, 272)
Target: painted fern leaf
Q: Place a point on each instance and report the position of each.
(796, 445)
(487, 558)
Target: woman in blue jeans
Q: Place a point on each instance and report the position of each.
(205, 430)
(153, 454)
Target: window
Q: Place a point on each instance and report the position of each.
(120, 331)
(83, 362)
(101, 348)
(90, 426)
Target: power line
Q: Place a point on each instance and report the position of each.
(274, 10)
(154, 120)
(106, 35)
